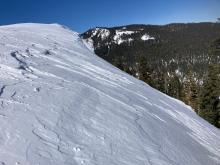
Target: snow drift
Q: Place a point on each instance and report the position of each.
(60, 104)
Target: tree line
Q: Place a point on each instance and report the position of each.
(203, 96)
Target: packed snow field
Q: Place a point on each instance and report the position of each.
(60, 104)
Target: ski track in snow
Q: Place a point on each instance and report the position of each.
(62, 105)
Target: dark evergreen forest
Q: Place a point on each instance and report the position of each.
(182, 60)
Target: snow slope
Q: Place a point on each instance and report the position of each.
(60, 104)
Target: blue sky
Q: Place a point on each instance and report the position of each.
(81, 15)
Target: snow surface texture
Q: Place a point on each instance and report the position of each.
(60, 104)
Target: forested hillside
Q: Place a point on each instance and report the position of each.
(172, 58)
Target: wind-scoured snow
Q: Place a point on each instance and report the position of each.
(60, 104)
(89, 44)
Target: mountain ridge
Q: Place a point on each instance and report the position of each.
(210, 30)
(160, 25)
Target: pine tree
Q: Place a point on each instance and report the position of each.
(210, 92)
(175, 88)
(145, 72)
(191, 91)
(161, 82)
(209, 102)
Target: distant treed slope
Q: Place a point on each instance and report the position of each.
(176, 54)
(171, 47)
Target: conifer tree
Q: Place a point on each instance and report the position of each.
(145, 72)
(209, 102)
(175, 87)
(210, 92)
(191, 90)
(161, 81)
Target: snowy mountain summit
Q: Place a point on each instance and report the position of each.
(60, 104)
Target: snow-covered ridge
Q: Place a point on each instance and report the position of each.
(103, 33)
(119, 34)
(118, 37)
(60, 104)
